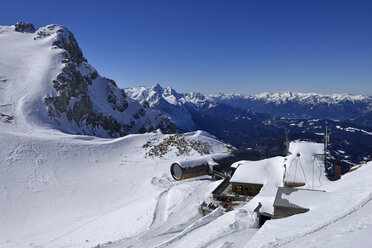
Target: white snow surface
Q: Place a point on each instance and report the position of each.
(27, 68)
(259, 172)
(305, 164)
(340, 216)
(59, 190)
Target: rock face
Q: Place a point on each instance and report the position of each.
(24, 27)
(80, 101)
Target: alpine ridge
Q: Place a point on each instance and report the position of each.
(46, 80)
(287, 104)
(261, 121)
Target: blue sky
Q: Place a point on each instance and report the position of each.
(218, 46)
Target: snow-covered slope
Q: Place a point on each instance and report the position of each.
(46, 81)
(340, 216)
(60, 190)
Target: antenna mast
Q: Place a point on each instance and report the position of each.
(286, 143)
(326, 140)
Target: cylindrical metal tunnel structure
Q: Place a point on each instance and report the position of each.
(179, 171)
(206, 164)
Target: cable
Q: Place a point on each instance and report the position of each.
(320, 170)
(303, 171)
(294, 179)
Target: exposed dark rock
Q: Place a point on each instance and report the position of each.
(146, 104)
(24, 27)
(74, 101)
(118, 102)
(71, 85)
(136, 116)
(178, 142)
(65, 40)
(167, 126)
(71, 46)
(142, 112)
(112, 82)
(142, 130)
(82, 109)
(82, 100)
(6, 118)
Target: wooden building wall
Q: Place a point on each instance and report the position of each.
(249, 189)
(293, 184)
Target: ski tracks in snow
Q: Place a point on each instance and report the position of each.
(202, 222)
(168, 222)
(333, 221)
(337, 231)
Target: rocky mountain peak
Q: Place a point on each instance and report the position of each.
(157, 87)
(63, 39)
(62, 90)
(24, 27)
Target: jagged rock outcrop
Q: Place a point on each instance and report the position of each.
(24, 27)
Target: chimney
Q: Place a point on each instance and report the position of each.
(337, 171)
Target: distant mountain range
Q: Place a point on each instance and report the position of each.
(291, 105)
(301, 105)
(261, 121)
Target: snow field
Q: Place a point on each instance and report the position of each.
(60, 190)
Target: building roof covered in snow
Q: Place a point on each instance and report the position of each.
(306, 147)
(258, 172)
(305, 164)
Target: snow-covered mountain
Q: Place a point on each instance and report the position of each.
(167, 101)
(156, 94)
(229, 118)
(185, 108)
(46, 81)
(294, 105)
(175, 105)
(300, 105)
